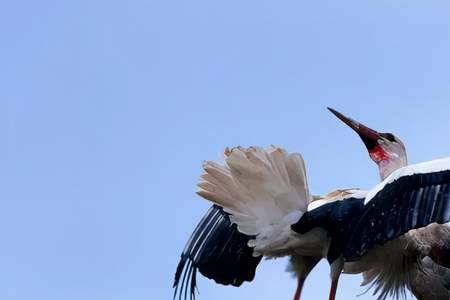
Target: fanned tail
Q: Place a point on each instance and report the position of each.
(263, 190)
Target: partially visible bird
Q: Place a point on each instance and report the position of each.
(385, 247)
(431, 282)
(389, 153)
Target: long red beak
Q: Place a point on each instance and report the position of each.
(369, 136)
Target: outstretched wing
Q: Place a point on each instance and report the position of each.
(258, 193)
(410, 198)
(218, 251)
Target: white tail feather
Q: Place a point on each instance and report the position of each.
(264, 190)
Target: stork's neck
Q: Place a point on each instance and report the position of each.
(389, 165)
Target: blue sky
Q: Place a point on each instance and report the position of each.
(108, 108)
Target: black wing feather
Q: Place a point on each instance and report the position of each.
(219, 251)
(335, 217)
(410, 202)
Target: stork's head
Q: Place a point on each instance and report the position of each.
(385, 149)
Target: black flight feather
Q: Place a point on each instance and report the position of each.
(219, 251)
(410, 202)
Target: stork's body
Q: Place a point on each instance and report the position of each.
(398, 263)
(260, 195)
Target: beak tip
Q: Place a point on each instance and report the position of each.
(334, 112)
(353, 124)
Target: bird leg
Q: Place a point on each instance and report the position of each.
(334, 284)
(302, 266)
(336, 269)
(298, 291)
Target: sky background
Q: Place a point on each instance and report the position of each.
(108, 108)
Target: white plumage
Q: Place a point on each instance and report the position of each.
(265, 191)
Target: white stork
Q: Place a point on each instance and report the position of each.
(389, 153)
(264, 192)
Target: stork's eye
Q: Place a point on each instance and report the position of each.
(389, 136)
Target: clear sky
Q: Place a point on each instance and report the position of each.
(108, 108)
